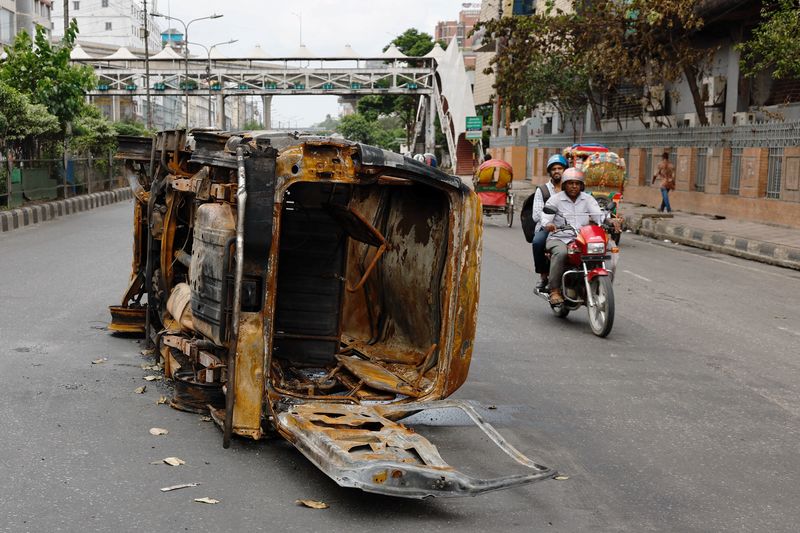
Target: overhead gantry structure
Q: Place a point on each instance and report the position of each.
(235, 77)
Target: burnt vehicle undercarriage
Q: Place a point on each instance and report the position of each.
(315, 287)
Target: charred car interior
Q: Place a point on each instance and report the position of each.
(313, 287)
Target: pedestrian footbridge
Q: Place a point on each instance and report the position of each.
(437, 79)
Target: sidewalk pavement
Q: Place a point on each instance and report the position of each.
(34, 214)
(775, 245)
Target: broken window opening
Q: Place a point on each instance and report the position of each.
(341, 330)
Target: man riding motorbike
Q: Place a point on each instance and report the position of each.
(555, 168)
(574, 207)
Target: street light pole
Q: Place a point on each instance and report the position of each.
(149, 119)
(208, 50)
(300, 18)
(186, 52)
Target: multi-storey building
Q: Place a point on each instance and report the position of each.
(110, 22)
(461, 29)
(105, 26)
(18, 15)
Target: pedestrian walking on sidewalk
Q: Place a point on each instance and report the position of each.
(665, 171)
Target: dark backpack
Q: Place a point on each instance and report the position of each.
(526, 215)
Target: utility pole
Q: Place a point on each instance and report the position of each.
(147, 69)
(497, 103)
(66, 16)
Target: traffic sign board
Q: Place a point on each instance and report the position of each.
(474, 128)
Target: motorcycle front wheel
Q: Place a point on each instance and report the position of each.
(601, 316)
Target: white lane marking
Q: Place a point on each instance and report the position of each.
(787, 330)
(637, 276)
(745, 266)
(684, 248)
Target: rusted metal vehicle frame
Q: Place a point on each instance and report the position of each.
(399, 297)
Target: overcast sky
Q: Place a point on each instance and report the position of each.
(327, 25)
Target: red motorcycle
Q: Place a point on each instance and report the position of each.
(588, 273)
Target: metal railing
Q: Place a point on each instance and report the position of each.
(774, 164)
(762, 134)
(700, 170)
(736, 170)
(773, 135)
(25, 181)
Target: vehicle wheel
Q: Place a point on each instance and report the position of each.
(616, 237)
(510, 210)
(602, 201)
(601, 316)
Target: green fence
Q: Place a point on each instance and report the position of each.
(24, 181)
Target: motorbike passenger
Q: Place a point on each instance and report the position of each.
(574, 207)
(555, 168)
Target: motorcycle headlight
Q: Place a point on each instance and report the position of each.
(596, 248)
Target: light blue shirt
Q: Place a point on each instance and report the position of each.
(538, 203)
(577, 213)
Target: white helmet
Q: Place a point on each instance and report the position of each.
(573, 174)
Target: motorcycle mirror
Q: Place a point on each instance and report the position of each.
(550, 210)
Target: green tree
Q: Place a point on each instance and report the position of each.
(253, 124)
(43, 72)
(573, 56)
(774, 44)
(413, 43)
(329, 124)
(92, 133)
(20, 120)
(131, 127)
(359, 128)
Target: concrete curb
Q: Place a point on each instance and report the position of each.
(34, 214)
(663, 227)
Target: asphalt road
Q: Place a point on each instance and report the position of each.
(684, 419)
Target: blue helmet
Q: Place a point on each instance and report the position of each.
(557, 159)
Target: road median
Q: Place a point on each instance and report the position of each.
(34, 214)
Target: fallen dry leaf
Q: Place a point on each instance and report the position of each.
(492, 407)
(162, 400)
(100, 361)
(149, 351)
(140, 390)
(206, 500)
(205, 418)
(561, 478)
(181, 486)
(158, 431)
(152, 378)
(313, 504)
(174, 461)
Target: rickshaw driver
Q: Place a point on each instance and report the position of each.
(555, 168)
(578, 208)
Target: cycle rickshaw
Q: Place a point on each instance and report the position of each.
(493, 185)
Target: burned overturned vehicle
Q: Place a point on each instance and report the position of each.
(313, 287)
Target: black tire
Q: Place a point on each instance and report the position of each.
(601, 316)
(616, 237)
(602, 201)
(510, 210)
